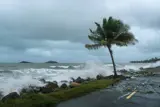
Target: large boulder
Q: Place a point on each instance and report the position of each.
(141, 68)
(30, 89)
(109, 77)
(55, 82)
(42, 80)
(122, 71)
(64, 86)
(99, 77)
(73, 80)
(89, 79)
(50, 87)
(12, 95)
(79, 80)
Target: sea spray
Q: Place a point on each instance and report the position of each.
(16, 84)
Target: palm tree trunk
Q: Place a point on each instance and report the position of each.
(114, 66)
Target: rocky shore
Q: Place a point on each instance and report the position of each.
(52, 87)
(76, 87)
(75, 82)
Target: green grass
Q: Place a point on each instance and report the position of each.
(52, 99)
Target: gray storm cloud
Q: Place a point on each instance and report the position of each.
(40, 30)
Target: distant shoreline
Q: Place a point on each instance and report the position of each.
(151, 60)
(43, 62)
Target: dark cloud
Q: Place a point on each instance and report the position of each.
(40, 30)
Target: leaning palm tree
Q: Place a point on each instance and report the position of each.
(111, 32)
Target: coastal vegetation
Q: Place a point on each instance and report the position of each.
(111, 32)
(33, 99)
(151, 60)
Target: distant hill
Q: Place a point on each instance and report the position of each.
(51, 62)
(24, 62)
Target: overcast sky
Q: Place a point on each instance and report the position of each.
(41, 30)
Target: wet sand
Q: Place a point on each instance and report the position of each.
(148, 94)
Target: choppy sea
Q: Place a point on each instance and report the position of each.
(15, 76)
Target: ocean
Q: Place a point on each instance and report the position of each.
(15, 76)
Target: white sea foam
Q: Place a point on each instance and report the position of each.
(16, 84)
(152, 65)
(65, 67)
(62, 67)
(78, 66)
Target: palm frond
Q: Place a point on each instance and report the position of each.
(125, 38)
(94, 38)
(92, 46)
(111, 32)
(99, 30)
(104, 23)
(91, 30)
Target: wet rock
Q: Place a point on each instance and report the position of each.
(141, 68)
(24, 90)
(12, 95)
(131, 70)
(55, 82)
(30, 89)
(73, 79)
(64, 86)
(79, 80)
(43, 80)
(122, 71)
(99, 77)
(149, 92)
(88, 79)
(151, 84)
(109, 77)
(50, 87)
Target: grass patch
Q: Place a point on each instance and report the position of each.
(52, 99)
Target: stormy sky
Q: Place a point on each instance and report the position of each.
(41, 30)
